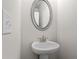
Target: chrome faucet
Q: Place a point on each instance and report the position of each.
(43, 39)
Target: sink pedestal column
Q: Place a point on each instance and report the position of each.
(43, 57)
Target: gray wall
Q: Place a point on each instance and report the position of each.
(11, 43)
(24, 33)
(66, 28)
(30, 33)
(17, 45)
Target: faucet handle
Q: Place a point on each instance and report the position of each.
(42, 39)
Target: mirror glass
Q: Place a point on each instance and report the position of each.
(41, 14)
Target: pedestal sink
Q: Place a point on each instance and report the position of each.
(44, 48)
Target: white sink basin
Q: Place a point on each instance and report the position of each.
(47, 47)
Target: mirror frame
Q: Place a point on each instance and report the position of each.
(33, 19)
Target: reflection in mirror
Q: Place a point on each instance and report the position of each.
(36, 15)
(41, 14)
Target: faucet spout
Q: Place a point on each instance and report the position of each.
(43, 39)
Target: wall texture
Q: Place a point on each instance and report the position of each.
(11, 43)
(67, 28)
(30, 33)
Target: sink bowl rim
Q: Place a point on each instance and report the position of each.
(41, 50)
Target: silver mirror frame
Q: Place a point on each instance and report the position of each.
(33, 19)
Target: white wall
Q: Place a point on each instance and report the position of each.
(30, 33)
(66, 28)
(11, 43)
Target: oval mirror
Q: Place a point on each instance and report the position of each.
(41, 14)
